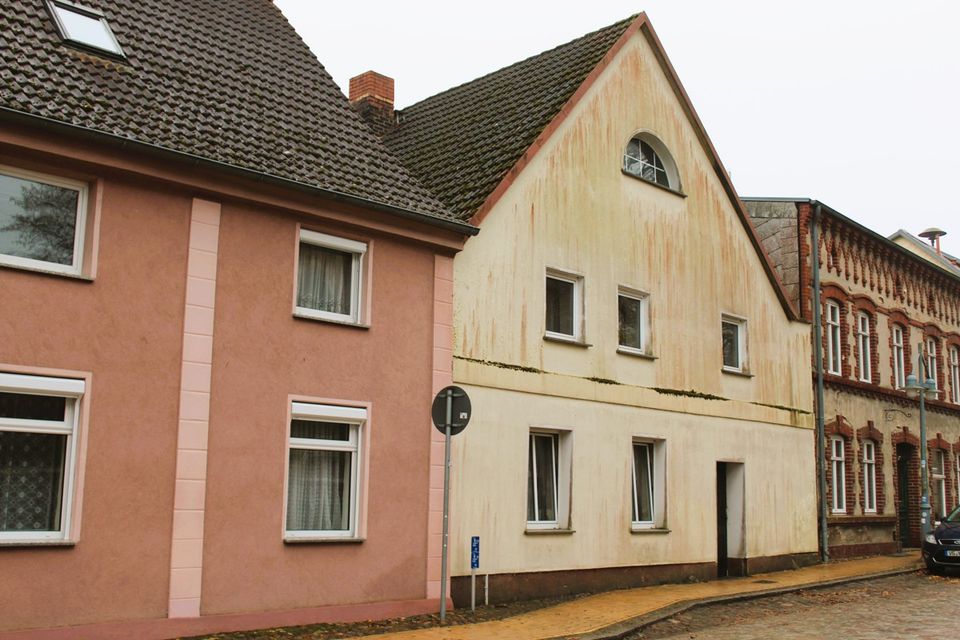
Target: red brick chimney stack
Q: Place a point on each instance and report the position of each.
(371, 95)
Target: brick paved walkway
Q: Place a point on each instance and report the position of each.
(911, 606)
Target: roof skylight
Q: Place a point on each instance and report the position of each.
(84, 26)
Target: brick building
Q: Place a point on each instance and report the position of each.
(884, 301)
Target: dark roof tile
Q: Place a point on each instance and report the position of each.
(463, 141)
(227, 81)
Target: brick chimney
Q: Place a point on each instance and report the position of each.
(371, 95)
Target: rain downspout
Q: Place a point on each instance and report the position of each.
(818, 363)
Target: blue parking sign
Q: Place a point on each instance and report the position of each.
(475, 552)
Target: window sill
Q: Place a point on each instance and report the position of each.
(38, 543)
(734, 372)
(653, 184)
(573, 342)
(46, 272)
(627, 351)
(548, 532)
(323, 540)
(345, 323)
(650, 530)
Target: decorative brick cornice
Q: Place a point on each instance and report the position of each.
(866, 389)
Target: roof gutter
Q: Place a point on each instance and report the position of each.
(65, 128)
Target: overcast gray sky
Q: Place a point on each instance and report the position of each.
(852, 102)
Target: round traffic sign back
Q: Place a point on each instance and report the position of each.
(451, 406)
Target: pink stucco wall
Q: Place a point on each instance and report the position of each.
(125, 330)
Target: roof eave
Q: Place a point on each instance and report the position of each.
(77, 131)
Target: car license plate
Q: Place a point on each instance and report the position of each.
(952, 553)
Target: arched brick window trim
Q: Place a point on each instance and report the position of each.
(863, 304)
(837, 294)
(933, 331)
(894, 318)
(839, 426)
(903, 436)
(870, 432)
(940, 444)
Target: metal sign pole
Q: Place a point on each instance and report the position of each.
(446, 506)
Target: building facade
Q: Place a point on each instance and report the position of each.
(220, 332)
(884, 304)
(638, 413)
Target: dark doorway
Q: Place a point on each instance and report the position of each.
(904, 458)
(722, 553)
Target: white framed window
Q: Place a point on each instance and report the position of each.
(330, 277)
(634, 324)
(932, 360)
(734, 342)
(869, 476)
(324, 470)
(84, 26)
(548, 479)
(38, 456)
(863, 346)
(648, 479)
(838, 476)
(647, 158)
(955, 374)
(938, 473)
(834, 357)
(42, 221)
(564, 305)
(899, 371)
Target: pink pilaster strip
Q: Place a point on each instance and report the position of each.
(186, 555)
(442, 376)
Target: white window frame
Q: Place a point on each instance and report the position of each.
(870, 476)
(578, 304)
(56, 5)
(741, 324)
(73, 390)
(940, 482)
(656, 452)
(356, 418)
(562, 466)
(863, 347)
(838, 475)
(932, 360)
(834, 339)
(644, 300)
(955, 374)
(899, 369)
(358, 250)
(82, 189)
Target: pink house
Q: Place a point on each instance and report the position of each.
(224, 310)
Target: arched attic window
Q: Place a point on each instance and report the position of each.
(648, 159)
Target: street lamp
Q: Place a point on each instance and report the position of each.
(915, 389)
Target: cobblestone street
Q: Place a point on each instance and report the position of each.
(909, 606)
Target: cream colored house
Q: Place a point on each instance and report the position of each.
(642, 400)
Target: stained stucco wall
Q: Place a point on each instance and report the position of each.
(571, 208)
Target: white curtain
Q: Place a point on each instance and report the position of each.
(318, 496)
(324, 279)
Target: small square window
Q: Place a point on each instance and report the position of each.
(734, 332)
(84, 26)
(632, 314)
(329, 277)
(564, 305)
(38, 449)
(323, 471)
(42, 221)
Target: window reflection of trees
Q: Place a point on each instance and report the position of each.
(43, 223)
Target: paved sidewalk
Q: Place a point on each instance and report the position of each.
(609, 614)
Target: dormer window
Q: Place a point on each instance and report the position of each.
(648, 159)
(84, 26)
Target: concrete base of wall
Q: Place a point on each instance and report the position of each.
(162, 629)
(511, 587)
